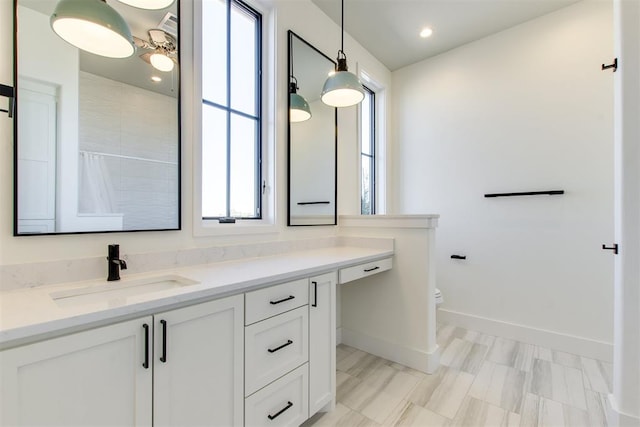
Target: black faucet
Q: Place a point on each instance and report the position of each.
(115, 263)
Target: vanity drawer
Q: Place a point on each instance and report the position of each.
(268, 302)
(275, 346)
(363, 270)
(282, 403)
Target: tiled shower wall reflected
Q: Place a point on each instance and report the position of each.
(138, 131)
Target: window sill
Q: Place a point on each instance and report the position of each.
(246, 227)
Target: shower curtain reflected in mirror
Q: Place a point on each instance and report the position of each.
(96, 194)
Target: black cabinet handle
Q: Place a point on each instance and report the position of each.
(277, 414)
(273, 350)
(163, 358)
(290, 297)
(613, 248)
(145, 364)
(315, 294)
(367, 270)
(458, 257)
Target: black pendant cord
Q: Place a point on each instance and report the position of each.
(291, 62)
(342, 28)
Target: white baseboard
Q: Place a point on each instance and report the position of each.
(616, 418)
(555, 340)
(416, 359)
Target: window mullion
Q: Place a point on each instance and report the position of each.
(228, 189)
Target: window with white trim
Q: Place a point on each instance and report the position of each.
(368, 153)
(231, 169)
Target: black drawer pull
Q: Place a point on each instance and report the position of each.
(277, 414)
(458, 257)
(290, 297)
(163, 358)
(315, 294)
(145, 364)
(367, 270)
(273, 350)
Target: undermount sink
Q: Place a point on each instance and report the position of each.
(118, 291)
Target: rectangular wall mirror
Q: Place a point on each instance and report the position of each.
(97, 139)
(312, 140)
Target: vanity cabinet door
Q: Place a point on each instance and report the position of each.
(198, 365)
(322, 342)
(95, 377)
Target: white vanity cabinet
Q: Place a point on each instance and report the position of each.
(290, 369)
(84, 379)
(263, 357)
(198, 365)
(190, 374)
(322, 342)
(277, 355)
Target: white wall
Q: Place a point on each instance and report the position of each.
(625, 400)
(299, 15)
(55, 62)
(312, 148)
(525, 109)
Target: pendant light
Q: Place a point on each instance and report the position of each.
(342, 88)
(93, 26)
(149, 4)
(299, 110)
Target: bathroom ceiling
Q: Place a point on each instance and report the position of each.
(389, 29)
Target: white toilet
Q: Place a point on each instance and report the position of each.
(439, 298)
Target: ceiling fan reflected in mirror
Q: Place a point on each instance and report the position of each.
(163, 50)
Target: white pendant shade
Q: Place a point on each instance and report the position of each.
(298, 116)
(299, 110)
(342, 89)
(161, 62)
(93, 26)
(149, 4)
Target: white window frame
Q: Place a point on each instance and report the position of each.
(380, 142)
(192, 107)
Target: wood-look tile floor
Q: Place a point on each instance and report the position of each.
(482, 381)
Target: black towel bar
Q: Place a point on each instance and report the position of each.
(527, 193)
(314, 203)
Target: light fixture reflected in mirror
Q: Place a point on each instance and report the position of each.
(299, 110)
(93, 26)
(342, 89)
(148, 4)
(161, 61)
(163, 49)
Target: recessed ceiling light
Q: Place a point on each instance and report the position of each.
(426, 32)
(156, 79)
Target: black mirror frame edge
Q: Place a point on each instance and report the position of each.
(290, 35)
(15, 141)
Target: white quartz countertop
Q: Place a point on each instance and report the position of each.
(29, 315)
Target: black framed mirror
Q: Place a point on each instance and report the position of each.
(97, 139)
(312, 138)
